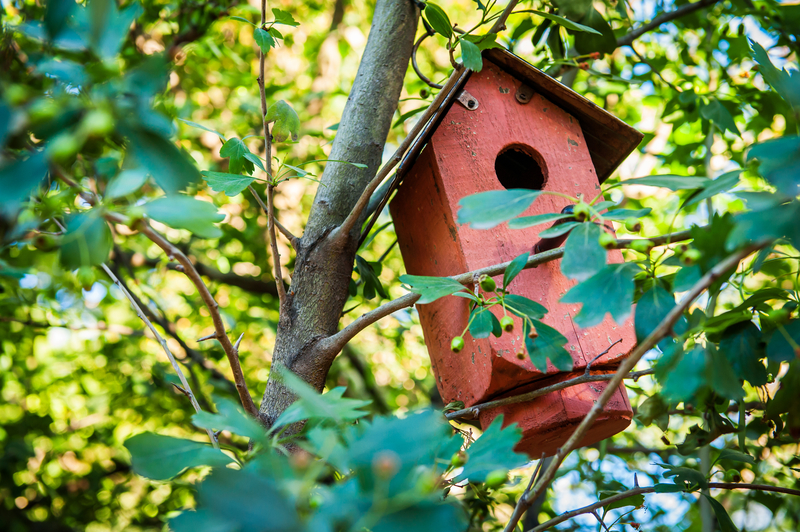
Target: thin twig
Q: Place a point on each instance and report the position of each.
(663, 18)
(288, 234)
(276, 255)
(596, 357)
(173, 251)
(186, 389)
(500, 24)
(641, 491)
(663, 329)
(333, 344)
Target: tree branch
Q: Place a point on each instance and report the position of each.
(664, 328)
(187, 390)
(288, 234)
(663, 18)
(641, 491)
(231, 352)
(332, 345)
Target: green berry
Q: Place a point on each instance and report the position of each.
(457, 344)
(16, 94)
(44, 242)
(97, 123)
(691, 256)
(497, 478)
(63, 148)
(42, 109)
(779, 315)
(507, 323)
(607, 240)
(581, 211)
(459, 459)
(86, 277)
(487, 283)
(633, 225)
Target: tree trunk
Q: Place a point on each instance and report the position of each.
(324, 262)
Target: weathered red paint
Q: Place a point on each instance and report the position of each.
(459, 160)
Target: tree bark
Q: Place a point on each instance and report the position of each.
(324, 262)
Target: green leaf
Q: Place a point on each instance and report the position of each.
(163, 457)
(720, 116)
(779, 349)
(736, 456)
(723, 519)
(232, 418)
(522, 306)
(471, 56)
(742, 346)
(230, 184)
(672, 182)
(241, 19)
(779, 162)
(18, 180)
(566, 23)
(87, 240)
(368, 274)
(514, 269)
(56, 15)
(311, 405)
(286, 122)
(634, 500)
(264, 40)
(108, 26)
(721, 184)
(548, 345)
(785, 82)
(583, 254)
(438, 20)
(481, 325)
(204, 128)
(184, 212)
(613, 285)
(685, 476)
(558, 230)
(651, 309)
(619, 215)
(683, 373)
(489, 209)
(483, 42)
(493, 451)
(237, 151)
(431, 288)
(602, 40)
(171, 168)
(126, 182)
(721, 375)
(284, 17)
(537, 219)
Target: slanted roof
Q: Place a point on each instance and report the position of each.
(609, 139)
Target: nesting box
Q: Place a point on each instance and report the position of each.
(512, 126)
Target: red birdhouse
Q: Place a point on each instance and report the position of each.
(512, 126)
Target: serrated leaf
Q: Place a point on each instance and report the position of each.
(471, 56)
(230, 417)
(284, 17)
(566, 23)
(184, 212)
(431, 288)
(514, 269)
(230, 184)
(310, 404)
(438, 20)
(779, 162)
(489, 209)
(583, 254)
(236, 151)
(163, 457)
(548, 345)
(785, 82)
(613, 285)
(87, 240)
(264, 40)
(286, 123)
(493, 451)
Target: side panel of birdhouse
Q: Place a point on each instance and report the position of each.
(428, 240)
(502, 138)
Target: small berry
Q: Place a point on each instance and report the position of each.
(507, 323)
(457, 344)
(607, 240)
(691, 256)
(595, 55)
(44, 242)
(583, 65)
(497, 478)
(487, 283)
(521, 355)
(633, 225)
(779, 315)
(642, 245)
(86, 277)
(581, 211)
(459, 459)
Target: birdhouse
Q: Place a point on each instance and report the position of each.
(512, 126)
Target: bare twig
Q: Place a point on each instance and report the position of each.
(276, 255)
(500, 24)
(333, 344)
(288, 234)
(663, 18)
(185, 389)
(173, 251)
(641, 491)
(662, 330)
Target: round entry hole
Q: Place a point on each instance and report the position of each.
(519, 166)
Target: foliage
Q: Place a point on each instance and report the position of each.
(117, 117)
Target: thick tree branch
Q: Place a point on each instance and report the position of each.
(663, 18)
(663, 329)
(641, 491)
(332, 345)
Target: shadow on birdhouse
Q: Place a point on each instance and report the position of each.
(510, 126)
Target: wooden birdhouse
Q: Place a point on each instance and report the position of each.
(512, 126)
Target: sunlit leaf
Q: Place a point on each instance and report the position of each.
(230, 184)
(493, 451)
(431, 288)
(613, 285)
(162, 457)
(286, 123)
(184, 212)
(583, 254)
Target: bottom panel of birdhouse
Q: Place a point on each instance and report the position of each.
(548, 421)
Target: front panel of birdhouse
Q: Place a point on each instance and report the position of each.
(503, 144)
